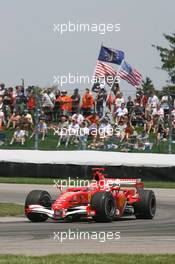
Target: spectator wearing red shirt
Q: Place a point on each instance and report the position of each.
(143, 101)
(31, 103)
(128, 131)
(93, 119)
(109, 101)
(87, 103)
(65, 102)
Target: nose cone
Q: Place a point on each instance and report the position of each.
(67, 200)
(59, 204)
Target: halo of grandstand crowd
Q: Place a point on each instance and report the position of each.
(96, 119)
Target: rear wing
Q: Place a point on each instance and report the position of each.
(136, 183)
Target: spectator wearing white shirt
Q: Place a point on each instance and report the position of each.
(1, 112)
(165, 104)
(47, 104)
(118, 101)
(73, 132)
(18, 136)
(73, 128)
(78, 117)
(52, 96)
(105, 129)
(2, 89)
(158, 111)
(173, 113)
(121, 111)
(1, 119)
(153, 101)
(46, 100)
(42, 129)
(83, 135)
(173, 121)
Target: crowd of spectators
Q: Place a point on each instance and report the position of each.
(97, 119)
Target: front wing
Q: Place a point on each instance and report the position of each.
(39, 209)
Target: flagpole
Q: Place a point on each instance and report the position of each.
(116, 75)
(97, 60)
(95, 70)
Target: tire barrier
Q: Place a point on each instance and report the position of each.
(15, 169)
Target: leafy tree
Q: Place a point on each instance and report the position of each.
(147, 86)
(168, 57)
(170, 90)
(168, 64)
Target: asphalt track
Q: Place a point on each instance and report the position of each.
(19, 236)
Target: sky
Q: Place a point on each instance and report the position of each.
(30, 49)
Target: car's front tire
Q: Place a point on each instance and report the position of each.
(38, 197)
(104, 205)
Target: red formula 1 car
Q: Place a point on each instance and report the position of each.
(103, 200)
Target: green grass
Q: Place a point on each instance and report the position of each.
(49, 181)
(26, 180)
(90, 258)
(51, 142)
(159, 184)
(10, 209)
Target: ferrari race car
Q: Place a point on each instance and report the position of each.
(103, 200)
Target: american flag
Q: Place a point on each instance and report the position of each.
(131, 75)
(103, 70)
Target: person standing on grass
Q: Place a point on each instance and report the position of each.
(31, 103)
(75, 101)
(65, 102)
(130, 105)
(47, 104)
(87, 103)
(119, 99)
(1, 112)
(100, 99)
(153, 101)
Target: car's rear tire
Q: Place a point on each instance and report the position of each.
(38, 197)
(104, 205)
(146, 208)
